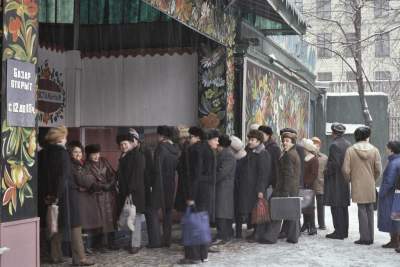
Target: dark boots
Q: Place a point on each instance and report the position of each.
(394, 241)
(309, 224)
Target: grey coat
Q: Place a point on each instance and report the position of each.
(336, 188)
(226, 166)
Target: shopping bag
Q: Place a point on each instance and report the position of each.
(52, 219)
(307, 198)
(396, 206)
(260, 213)
(195, 228)
(127, 218)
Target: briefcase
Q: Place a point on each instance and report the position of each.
(285, 208)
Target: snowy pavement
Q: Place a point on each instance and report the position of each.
(310, 251)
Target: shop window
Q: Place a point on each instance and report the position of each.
(383, 75)
(382, 45)
(323, 9)
(324, 76)
(324, 45)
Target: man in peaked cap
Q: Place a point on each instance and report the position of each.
(336, 188)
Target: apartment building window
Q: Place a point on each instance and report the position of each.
(324, 76)
(381, 8)
(324, 45)
(382, 45)
(350, 76)
(350, 44)
(323, 8)
(383, 75)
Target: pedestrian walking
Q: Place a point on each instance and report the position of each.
(224, 199)
(319, 184)
(131, 181)
(386, 195)
(62, 191)
(274, 151)
(336, 187)
(362, 167)
(163, 187)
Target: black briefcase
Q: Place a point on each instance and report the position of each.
(285, 208)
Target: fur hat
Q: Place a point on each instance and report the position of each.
(256, 134)
(287, 130)
(92, 148)
(213, 133)
(290, 135)
(56, 134)
(362, 133)
(254, 126)
(224, 140)
(316, 140)
(308, 145)
(338, 128)
(130, 135)
(266, 129)
(196, 131)
(183, 131)
(165, 131)
(237, 147)
(71, 145)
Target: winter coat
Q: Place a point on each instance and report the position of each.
(289, 174)
(302, 154)
(88, 206)
(336, 188)
(182, 193)
(57, 171)
(163, 186)
(202, 171)
(148, 172)
(104, 176)
(386, 193)
(224, 202)
(131, 175)
(319, 182)
(254, 178)
(275, 152)
(310, 171)
(362, 167)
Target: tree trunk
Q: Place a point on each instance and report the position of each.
(357, 54)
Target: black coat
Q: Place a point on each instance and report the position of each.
(131, 175)
(289, 174)
(302, 155)
(253, 178)
(336, 188)
(165, 165)
(56, 170)
(202, 171)
(275, 152)
(148, 172)
(182, 193)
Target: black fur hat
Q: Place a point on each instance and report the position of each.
(127, 135)
(213, 133)
(196, 131)
(256, 134)
(266, 129)
(91, 149)
(338, 128)
(71, 145)
(224, 140)
(287, 130)
(165, 131)
(362, 133)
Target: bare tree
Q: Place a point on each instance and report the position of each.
(351, 32)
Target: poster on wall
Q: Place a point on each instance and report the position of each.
(270, 99)
(20, 91)
(51, 94)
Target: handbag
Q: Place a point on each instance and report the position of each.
(195, 228)
(260, 213)
(307, 198)
(52, 219)
(127, 217)
(285, 208)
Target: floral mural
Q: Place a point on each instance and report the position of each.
(20, 41)
(274, 101)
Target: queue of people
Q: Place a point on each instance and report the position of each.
(218, 174)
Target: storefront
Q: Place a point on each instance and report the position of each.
(102, 65)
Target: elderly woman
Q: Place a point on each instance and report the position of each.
(311, 165)
(103, 175)
(386, 194)
(62, 191)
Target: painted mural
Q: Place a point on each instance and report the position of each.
(212, 86)
(18, 183)
(230, 86)
(274, 101)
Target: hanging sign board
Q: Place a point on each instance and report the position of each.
(21, 101)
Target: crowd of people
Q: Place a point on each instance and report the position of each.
(209, 171)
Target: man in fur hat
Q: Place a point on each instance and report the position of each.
(131, 180)
(336, 188)
(163, 186)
